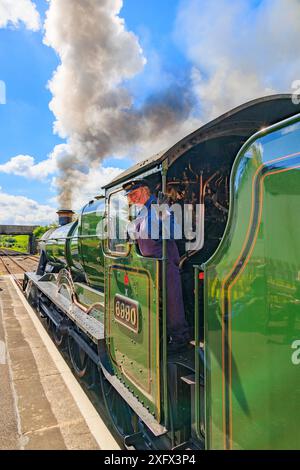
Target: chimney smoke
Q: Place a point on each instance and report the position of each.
(95, 111)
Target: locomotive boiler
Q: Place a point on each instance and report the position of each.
(107, 303)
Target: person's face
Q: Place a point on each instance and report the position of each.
(139, 196)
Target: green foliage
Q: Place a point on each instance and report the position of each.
(39, 231)
(20, 242)
(17, 243)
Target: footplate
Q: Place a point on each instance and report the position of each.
(89, 325)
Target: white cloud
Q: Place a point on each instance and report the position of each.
(22, 210)
(25, 165)
(15, 11)
(238, 52)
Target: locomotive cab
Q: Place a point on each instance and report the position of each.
(198, 174)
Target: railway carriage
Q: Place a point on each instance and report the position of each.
(236, 384)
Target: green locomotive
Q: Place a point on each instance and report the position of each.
(236, 384)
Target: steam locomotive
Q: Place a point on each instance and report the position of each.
(107, 303)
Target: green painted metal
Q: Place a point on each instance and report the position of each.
(252, 301)
(134, 354)
(79, 245)
(91, 240)
(72, 251)
(89, 298)
(55, 245)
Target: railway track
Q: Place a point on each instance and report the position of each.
(16, 267)
(34, 258)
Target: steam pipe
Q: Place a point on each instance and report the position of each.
(203, 188)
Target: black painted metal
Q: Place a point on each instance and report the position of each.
(52, 314)
(244, 120)
(84, 345)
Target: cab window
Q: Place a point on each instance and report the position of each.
(118, 218)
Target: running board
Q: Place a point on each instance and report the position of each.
(148, 419)
(92, 327)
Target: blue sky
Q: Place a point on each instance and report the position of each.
(224, 52)
(26, 65)
(26, 121)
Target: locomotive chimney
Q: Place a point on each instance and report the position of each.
(65, 216)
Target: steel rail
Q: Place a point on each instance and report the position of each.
(8, 267)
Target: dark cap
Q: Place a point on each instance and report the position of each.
(135, 184)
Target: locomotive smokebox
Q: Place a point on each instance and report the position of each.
(65, 216)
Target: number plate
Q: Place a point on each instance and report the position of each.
(126, 312)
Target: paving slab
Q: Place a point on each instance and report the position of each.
(37, 405)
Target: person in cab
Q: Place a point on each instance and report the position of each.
(147, 230)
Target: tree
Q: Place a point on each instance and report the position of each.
(39, 231)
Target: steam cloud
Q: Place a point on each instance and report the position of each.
(93, 109)
(239, 50)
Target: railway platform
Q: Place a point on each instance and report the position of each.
(42, 406)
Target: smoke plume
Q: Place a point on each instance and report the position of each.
(94, 111)
(240, 50)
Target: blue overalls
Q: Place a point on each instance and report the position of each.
(176, 323)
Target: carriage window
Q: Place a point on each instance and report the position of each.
(118, 215)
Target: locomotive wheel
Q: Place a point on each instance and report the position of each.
(79, 358)
(120, 413)
(58, 337)
(31, 294)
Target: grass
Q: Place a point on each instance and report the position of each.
(15, 243)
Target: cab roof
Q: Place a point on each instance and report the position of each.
(244, 120)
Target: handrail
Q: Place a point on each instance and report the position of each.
(197, 356)
(164, 311)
